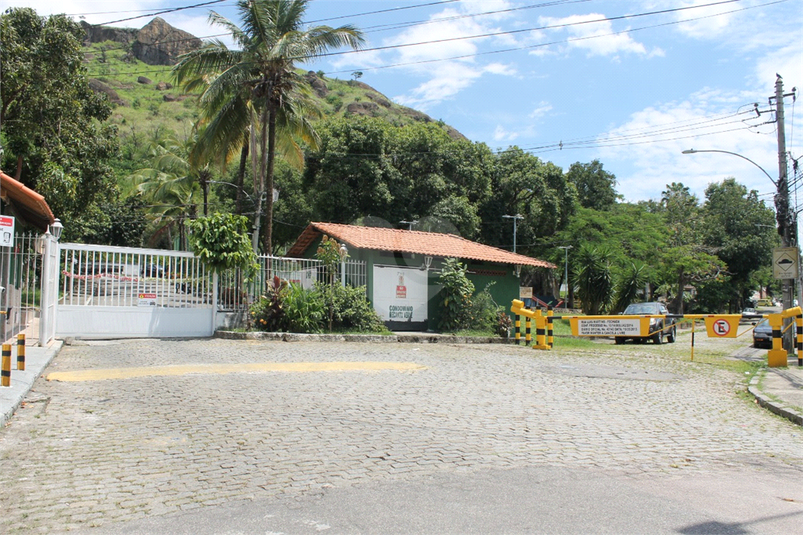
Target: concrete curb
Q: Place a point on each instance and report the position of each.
(412, 338)
(36, 360)
(772, 405)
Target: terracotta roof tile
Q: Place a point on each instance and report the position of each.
(411, 241)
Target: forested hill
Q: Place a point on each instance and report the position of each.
(132, 67)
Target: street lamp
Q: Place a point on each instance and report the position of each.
(566, 267)
(781, 209)
(514, 218)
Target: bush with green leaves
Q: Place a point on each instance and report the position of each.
(305, 310)
(268, 312)
(353, 311)
(455, 296)
(482, 315)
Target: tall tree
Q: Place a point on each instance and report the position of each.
(740, 228)
(262, 73)
(54, 135)
(596, 188)
(688, 259)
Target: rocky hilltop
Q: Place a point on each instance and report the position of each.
(156, 43)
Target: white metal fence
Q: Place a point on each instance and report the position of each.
(105, 276)
(236, 293)
(20, 275)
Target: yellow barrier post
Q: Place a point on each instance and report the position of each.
(518, 330)
(692, 339)
(21, 352)
(5, 374)
(799, 322)
(528, 337)
(550, 341)
(777, 356)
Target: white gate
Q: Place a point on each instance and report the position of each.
(121, 292)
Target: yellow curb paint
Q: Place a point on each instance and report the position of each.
(186, 369)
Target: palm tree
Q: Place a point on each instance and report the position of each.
(257, 87)
(171, 187)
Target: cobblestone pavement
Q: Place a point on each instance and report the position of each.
(94, 453)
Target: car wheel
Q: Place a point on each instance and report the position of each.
(619, 340)
(658, 337)
(672, 334)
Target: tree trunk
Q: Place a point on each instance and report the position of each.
(271, 158)
(241, 178)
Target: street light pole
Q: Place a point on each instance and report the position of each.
(514, 218)
(781, 213)
(566, 267)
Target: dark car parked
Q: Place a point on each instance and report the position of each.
(762, 334)
(660, 328)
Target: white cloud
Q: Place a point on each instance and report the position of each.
(502, 134)
(596, 38)
(542, 109)
(652, 140)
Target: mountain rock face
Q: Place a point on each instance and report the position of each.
(157, 43)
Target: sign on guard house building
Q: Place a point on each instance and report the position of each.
(403, 267)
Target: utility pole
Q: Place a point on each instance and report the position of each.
(514, 218)
(783, 214)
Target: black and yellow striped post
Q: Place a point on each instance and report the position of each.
(540, 329)
(799, 322)
(776, 357)
(550, 333)
(528, 337)
(21, 352)
(518, 329)
(5, 374)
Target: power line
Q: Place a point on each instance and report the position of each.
(535, 29)
(171, 10)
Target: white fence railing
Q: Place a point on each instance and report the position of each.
(236, 293)
(95, 275)
(20, 273)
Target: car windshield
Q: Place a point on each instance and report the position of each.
(764, 325)
(643, 308)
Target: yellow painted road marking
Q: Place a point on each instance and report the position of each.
(184, 369)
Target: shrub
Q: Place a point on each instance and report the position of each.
(483, 311)
(305, 310)
(268, 313)
(352, 311)
(456, 291)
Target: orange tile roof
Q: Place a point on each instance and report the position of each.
(411, 241)
(29, 205)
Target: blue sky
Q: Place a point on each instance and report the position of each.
(631, 83)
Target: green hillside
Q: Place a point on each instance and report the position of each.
(146, 103)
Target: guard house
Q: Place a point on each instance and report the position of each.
(403, 267)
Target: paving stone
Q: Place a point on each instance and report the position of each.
(127, 448)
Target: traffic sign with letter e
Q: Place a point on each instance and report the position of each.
(723, 326)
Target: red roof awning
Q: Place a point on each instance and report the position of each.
(411, 241)
(27, 205)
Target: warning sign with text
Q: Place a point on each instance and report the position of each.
(606, 327)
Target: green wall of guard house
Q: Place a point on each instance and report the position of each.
(504, 290)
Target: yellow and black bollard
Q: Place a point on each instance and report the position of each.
(777, 356)
(799, 323)
(528, 337)
(550, 333)
(5, 374)
(540, 329)
(518, 329)
(21, 352)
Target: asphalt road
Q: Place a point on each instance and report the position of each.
(220, 436)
